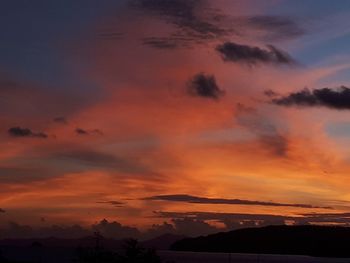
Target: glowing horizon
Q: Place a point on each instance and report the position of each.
(198, 113)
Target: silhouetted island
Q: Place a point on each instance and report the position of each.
(320, 241)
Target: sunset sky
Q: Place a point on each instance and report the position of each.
(182, 116)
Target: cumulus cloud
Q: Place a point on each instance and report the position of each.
(338, 98)
(205, 86)
(25, 132)
(251, 55)
(243, 220)
(115, 230)
(193, 227)
(159, 229)
(205, 200)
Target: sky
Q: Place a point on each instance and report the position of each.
(143, 117)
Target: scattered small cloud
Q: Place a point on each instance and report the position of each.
(205, 86)
(270, 93)
(25, 132)
(81, 131)
(251, 55)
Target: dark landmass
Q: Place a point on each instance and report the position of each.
(52, 242)
(319, 241)
(163, 242)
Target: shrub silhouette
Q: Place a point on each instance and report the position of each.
(131, 252)
(134, 253)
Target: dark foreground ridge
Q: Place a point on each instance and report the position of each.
(319, 241)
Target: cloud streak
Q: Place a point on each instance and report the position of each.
(112, 202)
(205, 200)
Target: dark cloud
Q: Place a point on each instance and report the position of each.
(25, 132)
(81, 131)
(62, 120)
(252, 55)
(195, 22)
(268, 133)
(184, 15)
(204, 200)
(112, 202)
(338, 98)
(235, 220)
(205, 86)
(270, 93)
(181, 223)
(2, 210)
(162, 42)
(230, 220)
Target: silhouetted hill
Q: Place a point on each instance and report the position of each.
(61, 242)
(162, 242)
(325, 241)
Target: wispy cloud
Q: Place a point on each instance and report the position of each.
(112, 202)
